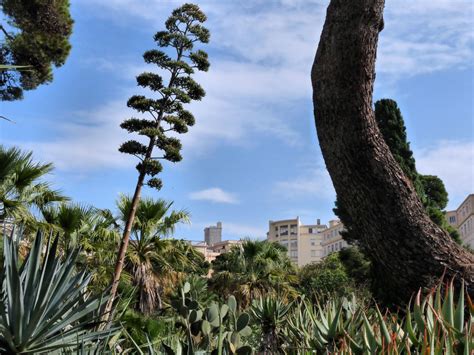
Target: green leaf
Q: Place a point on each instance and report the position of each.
(243, 321)
(448, 306)
(186, 287)
(223, 312)
(383, 326)
(247, 331)
(459, 314)
(213, 314)
(232, 303)
(206, 327)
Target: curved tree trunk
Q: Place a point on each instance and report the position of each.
(407, 249)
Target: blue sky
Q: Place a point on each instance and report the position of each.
(252, 155)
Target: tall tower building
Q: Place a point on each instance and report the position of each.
(213, 234)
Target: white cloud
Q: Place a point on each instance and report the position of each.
(419, 36)
(425, 36)
(214, 194)
(312, 182)
(86, 140)
(261, 55)
(453, 162)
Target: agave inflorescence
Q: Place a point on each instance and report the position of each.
(44, 304)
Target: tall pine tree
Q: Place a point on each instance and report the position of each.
(407, 249)
(430, 188)
(165, 114)
(35, 34)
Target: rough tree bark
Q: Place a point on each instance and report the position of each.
(407, 249)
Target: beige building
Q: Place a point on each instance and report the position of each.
(302, 241)
(332, 239)
(212, 252)
(225, 246)
(209, 254)
(463, 219)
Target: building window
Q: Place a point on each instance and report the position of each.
(452, 219)
(313, 253)
(293, 254)
(313, 242)
(294, 244)
(293, 229)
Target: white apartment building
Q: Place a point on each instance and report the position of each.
(302, 241)
(463, 220)
(332, 239)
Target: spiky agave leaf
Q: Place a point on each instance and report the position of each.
(44, 306)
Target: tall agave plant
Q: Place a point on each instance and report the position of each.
(44, 306)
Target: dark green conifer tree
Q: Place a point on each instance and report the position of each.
(430, 188)
(164, 114)
(35, 34)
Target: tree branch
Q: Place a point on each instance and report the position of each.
(9, 36)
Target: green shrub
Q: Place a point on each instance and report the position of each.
(327, 277)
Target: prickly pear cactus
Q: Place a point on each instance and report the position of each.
(217, 329)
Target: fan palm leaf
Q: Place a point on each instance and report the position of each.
(21, 186)
(156, 263)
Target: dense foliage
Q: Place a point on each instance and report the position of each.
(437, 323)
(36, 36)
(255, 299)
(257, 268)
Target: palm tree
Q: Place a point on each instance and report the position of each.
(22, 190)
(256, 269)
(71, 220)
(156, 263)
(97, 233)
